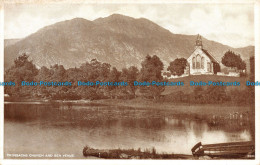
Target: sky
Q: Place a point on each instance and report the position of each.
(230, 24)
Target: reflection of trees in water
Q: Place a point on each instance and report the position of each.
(90, 117)
(147, 123)
(197, 127)
(26, 112)
(68, 111)
(229, 125)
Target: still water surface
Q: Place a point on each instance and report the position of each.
(66, 129)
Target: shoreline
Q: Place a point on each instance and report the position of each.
(191, 111)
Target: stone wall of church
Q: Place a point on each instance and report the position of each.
(200, 63)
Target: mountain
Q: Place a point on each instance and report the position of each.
(119, 40)
(8, 42)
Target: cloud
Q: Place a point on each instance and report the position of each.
(230, 24)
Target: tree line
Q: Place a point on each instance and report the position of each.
(24, 70)
(151, 70)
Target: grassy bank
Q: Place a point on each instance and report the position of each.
(187, 88)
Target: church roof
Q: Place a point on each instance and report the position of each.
(198, 44)
(210, 56)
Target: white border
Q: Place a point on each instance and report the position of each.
(257, 77)
(126, 162)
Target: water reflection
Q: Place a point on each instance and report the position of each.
(67, 128)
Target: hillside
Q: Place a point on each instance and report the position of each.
(119, 40)
(8, 42)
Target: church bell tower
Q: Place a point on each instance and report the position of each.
(198, 42)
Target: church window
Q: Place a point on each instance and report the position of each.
(193, 63)
(202, 62)
(209, 67)
(198, 61)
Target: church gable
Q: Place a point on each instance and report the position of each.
(200, 61)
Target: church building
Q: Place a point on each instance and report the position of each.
(201, 61)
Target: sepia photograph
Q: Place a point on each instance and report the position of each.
(160, 81)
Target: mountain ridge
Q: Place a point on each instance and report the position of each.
(119, 40)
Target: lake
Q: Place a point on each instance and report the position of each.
(33, 129)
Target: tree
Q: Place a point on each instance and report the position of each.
(251, 89)
(177, 66)
(114, 76)
(94, 71)
(130, 75)
(252, 65)
(151, 71)
(44, 74)
(241, 65)
(22, 70)
(230, 59)
(58, 73)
